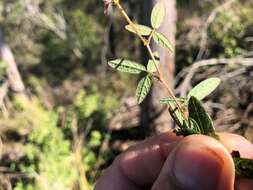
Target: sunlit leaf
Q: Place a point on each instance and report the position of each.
(199, 114)
(143, 88)
(162, 41)
(204, 88)
(157, 15)
(141, 29)
(126, 66)
(151, 67)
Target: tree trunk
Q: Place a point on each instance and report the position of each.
(158, 116)
(14, 79)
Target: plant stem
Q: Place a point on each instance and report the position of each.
(147, 45)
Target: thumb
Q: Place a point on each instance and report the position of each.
(197, 162)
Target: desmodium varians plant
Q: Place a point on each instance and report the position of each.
(187, 112)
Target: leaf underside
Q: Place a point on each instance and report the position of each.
(151, 67)
(127, 66)
(162, 41)
(141, 29)
(157, 15)
(143, 88)
(204, 88)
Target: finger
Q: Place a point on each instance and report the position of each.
(197, 162)
(140, 165)
(244, 184)
(235, 142)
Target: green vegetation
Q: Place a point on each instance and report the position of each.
(59, 135)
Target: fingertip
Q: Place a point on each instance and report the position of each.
(197, 162)
(234, 142)
(244, 184)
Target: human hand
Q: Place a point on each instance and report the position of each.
(168, 162)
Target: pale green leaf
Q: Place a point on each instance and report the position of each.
(204, 88)
(126, 66)
(151, 67)
(141, 29)
(157, 15)
(162, 41)
(143, 88)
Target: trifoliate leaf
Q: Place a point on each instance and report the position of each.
(143, 88)
(127, 66)
(157, 15)
(141, 29)
(151, 67)
(199, 114)
(204, 88)
(162, 41)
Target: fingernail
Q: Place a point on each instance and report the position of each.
(197, 167)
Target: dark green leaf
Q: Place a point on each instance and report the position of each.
(157, 15)
(243, 167)
(204, 88)
(199, 114)
(162, 41)
(141, 29)
(143, 88)
(127, 66)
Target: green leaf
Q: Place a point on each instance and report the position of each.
(151, 67)
(143, 88)
(126, 66)
(157, 15)
(162, 41)
(168, 101)
(204, 88)
(243, 167)
(175, 113)
(199, 114)
(141, 29)
(193, 125)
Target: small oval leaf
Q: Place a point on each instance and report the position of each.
(151, 67)
(204, 88)
(141, 29)
(162, 41)
(126, 66)
(143, 88)
(157, 15)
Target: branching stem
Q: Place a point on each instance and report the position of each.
(146, 43)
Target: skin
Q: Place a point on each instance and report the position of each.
(168, 162)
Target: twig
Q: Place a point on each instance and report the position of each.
(183, 88)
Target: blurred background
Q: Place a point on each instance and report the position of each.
(65, 115)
